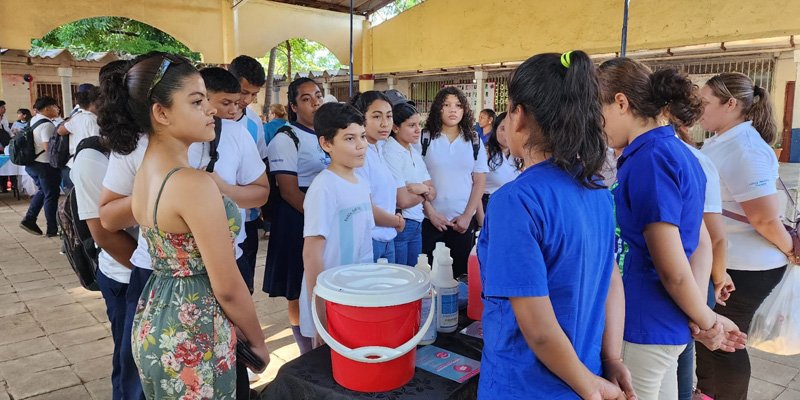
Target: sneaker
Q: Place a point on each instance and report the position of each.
(30, 227)
(252, 376)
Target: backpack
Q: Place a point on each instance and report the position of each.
(212, 151)
(79, 246)
(58, 151)
(22, 148)
(267, 210)
(426, 141)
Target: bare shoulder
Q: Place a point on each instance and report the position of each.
(194, 186)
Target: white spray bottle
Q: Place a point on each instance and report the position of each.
(430, 334)
(446, 289)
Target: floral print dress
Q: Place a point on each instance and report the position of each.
(183, 344)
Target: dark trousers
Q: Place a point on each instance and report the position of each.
(726, 376)
(114, 294)
(48, 181)
(131, 385)
(460, 244)
(247, 262)
(66, 181)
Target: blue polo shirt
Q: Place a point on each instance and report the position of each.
(658, 180)
(544, 235)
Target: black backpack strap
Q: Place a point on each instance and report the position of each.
(94, 143)
(290, 132)
(426, 141)
(212, 151)
(39, 122)
(476, 146)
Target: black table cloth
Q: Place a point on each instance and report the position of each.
(310, 377)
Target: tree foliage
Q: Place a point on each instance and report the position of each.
(118, 34)
(392, 9)
(306, 55)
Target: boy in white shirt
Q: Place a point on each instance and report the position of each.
(338, 212)
(81, 125)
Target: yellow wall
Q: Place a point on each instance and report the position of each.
(448, 33)
(262, 25)
(199, 24)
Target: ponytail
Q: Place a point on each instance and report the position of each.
(117, 124)
(677, 95)
(558, 94)
(761, 115)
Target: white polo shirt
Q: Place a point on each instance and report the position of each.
(382, 185)
(81, 126)
(713, 202)
(748, 169)
(451, 165)
(304, 160)
(407, 166)
(87, 175)
(42, 135)
(502, 174)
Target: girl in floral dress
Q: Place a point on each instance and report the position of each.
(183, 339)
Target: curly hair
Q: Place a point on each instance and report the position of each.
(128, 97)
(562, 106)
(434, 122)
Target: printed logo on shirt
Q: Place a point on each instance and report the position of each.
(347, 240)
(760, 183)
(621, 247)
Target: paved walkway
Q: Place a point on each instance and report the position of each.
(55, 341)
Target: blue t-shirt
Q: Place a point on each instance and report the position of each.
(658, 180)
(544, 235)
(271, 128)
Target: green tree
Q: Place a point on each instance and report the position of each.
(392, 9)
(118, 34)
(301, 55)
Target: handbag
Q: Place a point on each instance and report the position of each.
(245, 354)
(791, 228)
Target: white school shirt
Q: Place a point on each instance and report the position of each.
(383, 186)
(87, 174)
(304, 160)
(407, 166)
(253, 125)
(81, 126)
(122, 171)
(713, 201)
(451, 166)
(748, 169)
(341, 212)
(4, 124)
(504, 173)
(42, 135)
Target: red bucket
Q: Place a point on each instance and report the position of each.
(373, 315)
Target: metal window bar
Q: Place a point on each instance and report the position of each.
(54, 90)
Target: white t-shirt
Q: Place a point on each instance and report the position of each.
(341, 212)
(81, 126)
(4, 124)
(407, 166)
(713, 202)
(451, 166)
(383, 186)
(305, 160)
(122, 171)
(748, 169)
(87, 175)
(502, 174)
(42, 135)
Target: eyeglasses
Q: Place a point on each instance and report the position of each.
(159, 75)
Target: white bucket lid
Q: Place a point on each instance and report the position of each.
(372, 285)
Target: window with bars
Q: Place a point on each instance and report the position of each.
(54, 90)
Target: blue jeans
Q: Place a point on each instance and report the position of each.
(48, 183)
(408, 243)
(131, 385)
(66, 181)
(114, 294)
(382, 249)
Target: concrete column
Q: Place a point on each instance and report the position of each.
(480, 80)
(392, 81)
(326, 87)
(66, 90)
(276, 94)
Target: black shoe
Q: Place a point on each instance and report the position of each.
(52, 234)
(30, 227)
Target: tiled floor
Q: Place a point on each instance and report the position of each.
(55, 342)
